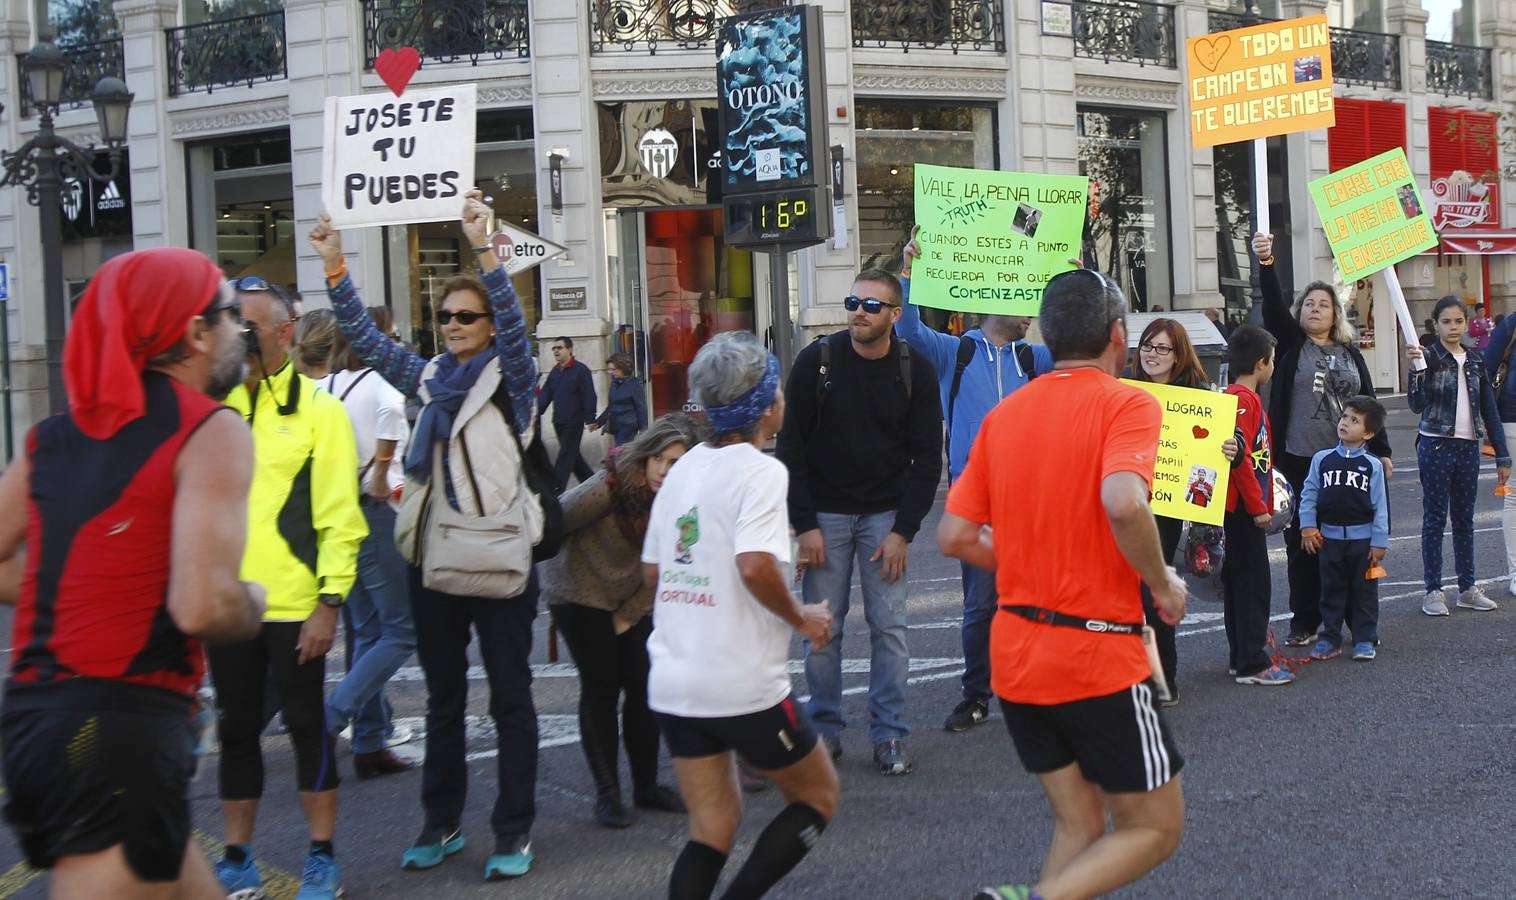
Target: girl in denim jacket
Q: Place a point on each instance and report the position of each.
(1457, 406)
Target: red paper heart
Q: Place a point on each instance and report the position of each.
(396, 67)
(1199, 432)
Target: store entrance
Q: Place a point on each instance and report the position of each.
(677, 284)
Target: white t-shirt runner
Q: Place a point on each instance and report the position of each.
(716, 651)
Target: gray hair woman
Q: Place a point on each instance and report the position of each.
(1317, 369)
(594, 591)
(718, 545)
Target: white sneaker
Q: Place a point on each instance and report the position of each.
(1435, 604)
(1474, 598)
(399, 734)
(1512, 587)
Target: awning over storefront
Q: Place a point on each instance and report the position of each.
(1486, 243)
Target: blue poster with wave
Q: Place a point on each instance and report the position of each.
(769, 78)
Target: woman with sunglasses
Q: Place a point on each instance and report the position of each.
(479, 410)
(1166, 356)
(1318, 368)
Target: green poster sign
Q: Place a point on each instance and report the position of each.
(990, 240)
(1373, 214)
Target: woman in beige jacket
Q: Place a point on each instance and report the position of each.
(595, 594)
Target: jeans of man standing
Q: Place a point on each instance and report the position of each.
(569, 461)
(845, 537)
(384, 633)
(978, 612)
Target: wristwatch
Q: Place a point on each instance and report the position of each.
(335, 601)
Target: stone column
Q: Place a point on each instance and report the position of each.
(160, 214)
(827, 274)
(18, 220)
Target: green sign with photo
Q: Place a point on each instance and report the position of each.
(1373, 214)
(990, 240)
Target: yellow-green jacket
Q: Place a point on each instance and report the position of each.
(304, 523)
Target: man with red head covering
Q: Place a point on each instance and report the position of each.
(127, 558)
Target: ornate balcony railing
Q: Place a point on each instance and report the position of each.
(1459, 69)
(1125, 31)
(1365, 57)
(226, 52)
(628, 26)
(931, 24)
(447, 31)
(1226, 21)
(87, 64)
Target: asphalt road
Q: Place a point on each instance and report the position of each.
(1361, 780)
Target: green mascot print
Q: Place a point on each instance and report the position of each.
(689, 532)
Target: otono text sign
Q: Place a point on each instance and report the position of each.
(397, 160)
(1259, 81)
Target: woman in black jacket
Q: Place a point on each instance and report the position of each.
(1317, 367)
(626, 410)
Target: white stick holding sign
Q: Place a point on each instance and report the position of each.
(1403, 315)
(1261, 183)
(397, 161)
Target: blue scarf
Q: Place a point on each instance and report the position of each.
(750, 407)
(446, 391)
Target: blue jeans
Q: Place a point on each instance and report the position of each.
(384, 633)
(1449, 470)
(883, 607)
(978, 611)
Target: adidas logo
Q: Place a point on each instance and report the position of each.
(110, 198)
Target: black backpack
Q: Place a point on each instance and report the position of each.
(824, 366)
(966, 348)
(537, 466)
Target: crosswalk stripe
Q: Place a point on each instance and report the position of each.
(17, 877)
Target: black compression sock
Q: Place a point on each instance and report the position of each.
(323, 847)
(238, 854)
(696, 872)
(780, 848)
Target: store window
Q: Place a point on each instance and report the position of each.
(1124, 154)
(1232, 173)
(242, 209)
(1452, 21)
(197, 11)
(82, 21)
(1363, 15)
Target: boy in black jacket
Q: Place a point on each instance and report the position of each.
(863, 444)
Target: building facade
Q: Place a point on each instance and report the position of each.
(225, 150)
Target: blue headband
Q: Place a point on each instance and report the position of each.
(750, 407)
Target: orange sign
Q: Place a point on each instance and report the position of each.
(1259, 81)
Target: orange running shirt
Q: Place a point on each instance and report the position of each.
(1034, 474)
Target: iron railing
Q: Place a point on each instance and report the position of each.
(226, 52)
(647, 26)
(1365, 57)
(86, 64)
(447, 31)
(1227, 21)
(1459, 69)
(930, 24)
(1125, 31)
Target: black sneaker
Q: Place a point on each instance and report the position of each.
(891, 757)
(833, 745)
(1300, 639)
(966, 715)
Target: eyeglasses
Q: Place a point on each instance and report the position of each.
(464, 316)
(251, 284)
(1148, 347)
(870, 305)
(234, 306)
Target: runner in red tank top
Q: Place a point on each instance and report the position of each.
(136, 513)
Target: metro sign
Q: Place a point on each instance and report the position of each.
(519, 250)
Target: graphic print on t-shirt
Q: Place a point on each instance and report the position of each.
(1332, 384)
(688, 528)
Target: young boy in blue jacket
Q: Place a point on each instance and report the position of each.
(1345, 520)
(974, 373)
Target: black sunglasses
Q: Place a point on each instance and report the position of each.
(464, 316)
(870, 305)
(234, 306)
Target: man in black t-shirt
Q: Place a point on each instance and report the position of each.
(862, 440)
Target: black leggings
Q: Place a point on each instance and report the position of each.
(239, 672)
(1169, 531)
(610, 664)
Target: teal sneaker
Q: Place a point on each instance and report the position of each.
(512, 859)
(431, 848)
(1007, 892)
(321, 880)
(240, 882)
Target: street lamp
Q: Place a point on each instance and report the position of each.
(41, 165)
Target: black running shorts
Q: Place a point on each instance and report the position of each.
(775, 738)
(1120, 741)
(90, 764)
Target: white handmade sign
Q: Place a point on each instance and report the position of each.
(398, 160)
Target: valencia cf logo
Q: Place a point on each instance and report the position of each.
(658, 149)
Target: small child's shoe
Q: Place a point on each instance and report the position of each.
(1273, 676)
(1325, 650)
(1364, 651)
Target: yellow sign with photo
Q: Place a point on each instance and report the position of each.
(1190, 471)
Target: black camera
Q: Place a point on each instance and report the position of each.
(250, 338)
